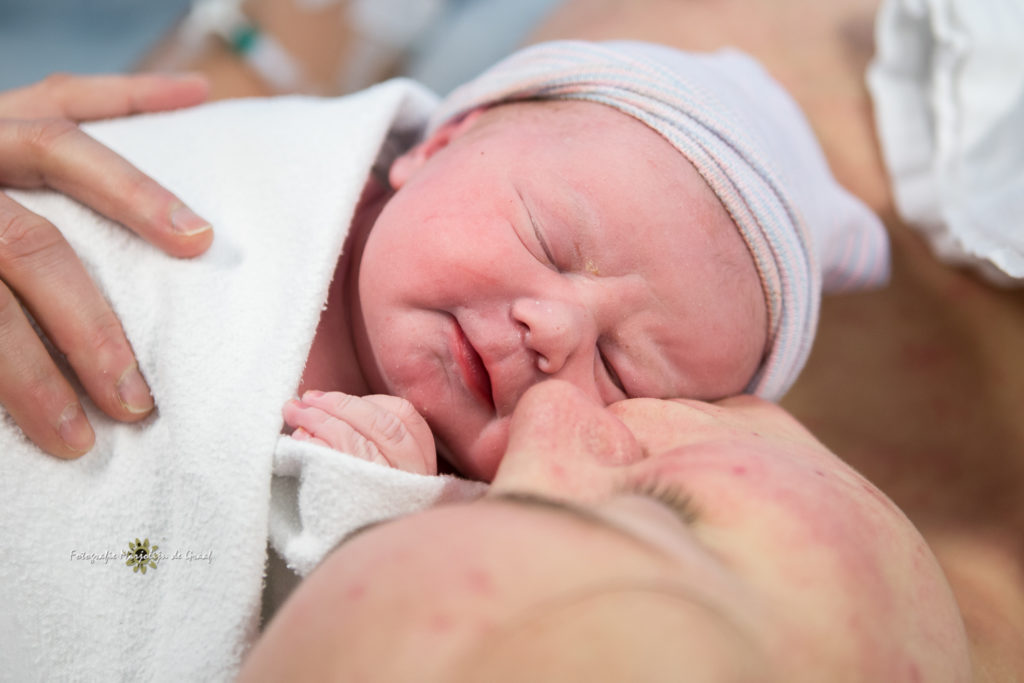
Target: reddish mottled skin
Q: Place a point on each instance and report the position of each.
(355, 592)
(479, 581)
(441, 623)
(794, 563)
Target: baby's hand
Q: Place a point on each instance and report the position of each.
(378, 428)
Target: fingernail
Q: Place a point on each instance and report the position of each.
(133, 392)
(74, 429)
(313, 393)
(186, 222)
(300, 434)
(298, 406)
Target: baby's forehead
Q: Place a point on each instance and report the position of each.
(582, 135)
(546, 117)
(571, 133)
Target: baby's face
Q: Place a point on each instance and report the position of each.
(560, 240)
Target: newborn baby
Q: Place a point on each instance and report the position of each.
(638, 221)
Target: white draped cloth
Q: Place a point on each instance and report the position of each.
(948, 88)
(222, 340)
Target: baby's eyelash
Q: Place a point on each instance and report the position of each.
(537, 234)
(672, 495)
(543, 242)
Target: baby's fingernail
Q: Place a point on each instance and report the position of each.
(186, 222)
(300, 434)
(313, 393)
(74, 429)
(133, 392)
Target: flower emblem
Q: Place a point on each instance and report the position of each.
(141, 556)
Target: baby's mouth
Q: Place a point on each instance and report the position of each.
(474, 372)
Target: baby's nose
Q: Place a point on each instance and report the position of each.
(563, 443)
(552, 329)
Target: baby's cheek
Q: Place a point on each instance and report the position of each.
(474, 453)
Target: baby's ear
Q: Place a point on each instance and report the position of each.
(405, 166)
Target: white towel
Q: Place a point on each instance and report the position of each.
(318, 498)
(222, 340)
(948, 88)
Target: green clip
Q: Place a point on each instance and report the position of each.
(244, 38)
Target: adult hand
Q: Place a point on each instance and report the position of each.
(42, 146)
(378, 428)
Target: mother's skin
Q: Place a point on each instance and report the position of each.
(652, 540)
(920, 385)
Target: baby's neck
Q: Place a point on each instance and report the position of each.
(332, 364)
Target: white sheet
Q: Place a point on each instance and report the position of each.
(948, 88)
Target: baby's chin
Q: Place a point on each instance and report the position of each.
(477, 455)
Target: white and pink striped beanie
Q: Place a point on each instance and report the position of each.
(752, 145)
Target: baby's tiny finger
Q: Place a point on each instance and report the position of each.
(291, 412)
(301, 434)
(416, 425)
(380, 421)
(333, 432)
(383, 421)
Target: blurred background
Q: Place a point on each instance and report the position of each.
(333, 45)
(38, 37)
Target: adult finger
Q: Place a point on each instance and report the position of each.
(57, 154)
(84, 98)
(32, 389)
(38, 264)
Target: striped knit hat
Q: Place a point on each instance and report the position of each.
(752, 145)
